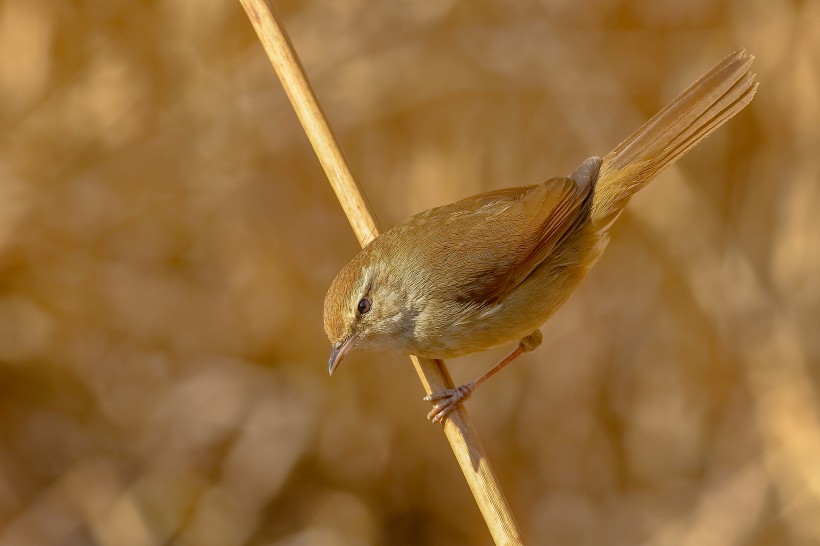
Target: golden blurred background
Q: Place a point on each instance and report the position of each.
(167, 236)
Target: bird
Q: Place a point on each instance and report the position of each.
(492, 268)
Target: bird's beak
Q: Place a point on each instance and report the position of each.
(338, 351)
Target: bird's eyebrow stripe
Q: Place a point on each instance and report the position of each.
(368, 280)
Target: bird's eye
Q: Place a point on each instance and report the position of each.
(364, 306)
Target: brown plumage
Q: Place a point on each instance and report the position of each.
(492, 268)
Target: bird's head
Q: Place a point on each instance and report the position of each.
(367, 307)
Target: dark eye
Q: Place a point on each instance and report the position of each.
(364, 305)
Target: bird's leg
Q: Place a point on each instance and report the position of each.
(448, 400)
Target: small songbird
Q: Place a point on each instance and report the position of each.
(492, 268)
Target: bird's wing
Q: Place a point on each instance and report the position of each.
(491, 242)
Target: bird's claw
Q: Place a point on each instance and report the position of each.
(447, 401)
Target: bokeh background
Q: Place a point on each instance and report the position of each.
(167, 236)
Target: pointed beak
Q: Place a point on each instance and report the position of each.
(338, 351)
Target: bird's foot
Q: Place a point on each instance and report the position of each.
(447, 401)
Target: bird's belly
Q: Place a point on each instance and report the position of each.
(520, 312)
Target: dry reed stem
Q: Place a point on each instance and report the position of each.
(434, 376)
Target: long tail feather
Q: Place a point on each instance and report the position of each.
(692, 116)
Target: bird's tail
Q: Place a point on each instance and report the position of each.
(692, 116)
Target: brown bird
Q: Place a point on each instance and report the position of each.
(492, 268)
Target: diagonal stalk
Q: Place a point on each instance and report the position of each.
(433, 374)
